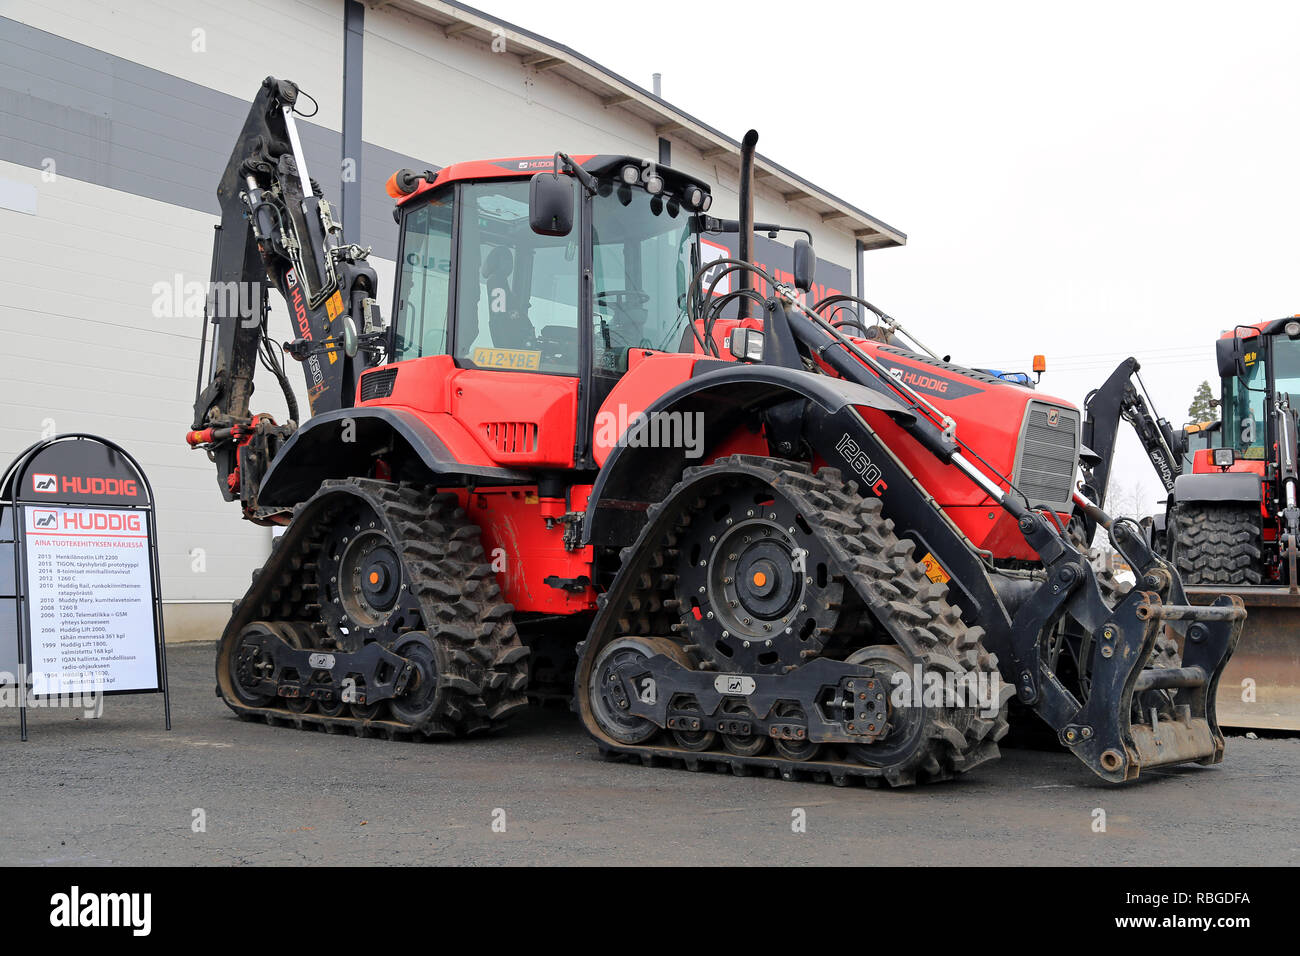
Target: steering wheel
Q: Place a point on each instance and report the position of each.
(623, 297)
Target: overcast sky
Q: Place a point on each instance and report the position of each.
(1084, 181)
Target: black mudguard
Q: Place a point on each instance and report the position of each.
(1226, 487)
(345, 444)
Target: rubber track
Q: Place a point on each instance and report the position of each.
(460, 603)
(874, 563)
(1218, 544)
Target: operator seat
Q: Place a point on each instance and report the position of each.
(507, 325)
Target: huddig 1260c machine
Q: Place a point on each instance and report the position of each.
(777, 539)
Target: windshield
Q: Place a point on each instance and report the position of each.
(1286, 367)
(516, 292)
(642, 257)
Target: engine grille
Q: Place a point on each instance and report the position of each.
(377, 384)
(512, 438)
(1047, 455)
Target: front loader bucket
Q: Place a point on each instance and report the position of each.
(1260, 687)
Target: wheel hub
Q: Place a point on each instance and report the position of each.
(371, 576)
(754, 566)
(360, 577)
(753, 580)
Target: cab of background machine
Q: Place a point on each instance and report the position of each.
(1259, 366)
(1256, 363)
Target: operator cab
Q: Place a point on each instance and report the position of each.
(482, 281)
(1256, 363)
(511, 299)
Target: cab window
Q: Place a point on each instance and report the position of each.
(424, 281)
(517, 292)
(1286, 367)
(1245, 424)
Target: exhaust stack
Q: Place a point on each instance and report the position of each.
(747, 214)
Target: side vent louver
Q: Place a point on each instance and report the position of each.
(377, 384)
(512, 438)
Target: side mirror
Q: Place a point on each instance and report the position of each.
(550, 204)
(805, 265)
(1230, 354)
(349, 337)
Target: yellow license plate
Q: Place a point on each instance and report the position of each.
(522, 359)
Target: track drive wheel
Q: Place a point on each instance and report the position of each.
(248, 662)
(422, 700)
(760, 565)
(608, 698)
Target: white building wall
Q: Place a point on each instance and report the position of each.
(84, 352)
(450, 99)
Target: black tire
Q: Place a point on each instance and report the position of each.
(1218, 543)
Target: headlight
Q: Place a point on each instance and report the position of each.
(746, 344)
(1223, 457)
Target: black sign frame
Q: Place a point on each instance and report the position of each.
(80, 452)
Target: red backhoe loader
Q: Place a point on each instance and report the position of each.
(744, 528)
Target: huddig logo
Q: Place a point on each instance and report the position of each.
(86, 485)
(112, 487)
(76, 909)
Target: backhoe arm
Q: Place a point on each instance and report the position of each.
(1117, 399)
(277, 230)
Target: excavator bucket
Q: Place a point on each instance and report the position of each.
(1260, 687)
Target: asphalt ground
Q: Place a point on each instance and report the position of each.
(119, 790)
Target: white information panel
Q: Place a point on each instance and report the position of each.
(90, 600)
